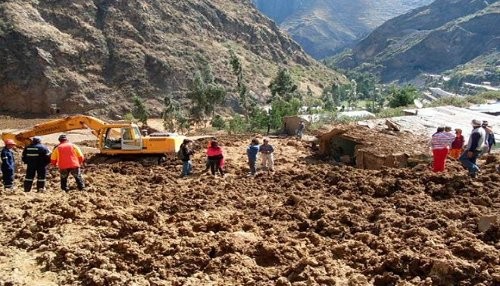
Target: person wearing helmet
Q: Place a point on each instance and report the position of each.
(36, 157)
(68, 158)
(8, 166)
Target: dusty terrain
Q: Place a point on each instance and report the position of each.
(309, 223)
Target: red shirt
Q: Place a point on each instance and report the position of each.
(458, 143)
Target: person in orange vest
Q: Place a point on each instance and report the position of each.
(68, 158)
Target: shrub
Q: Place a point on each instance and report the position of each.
(218, 122)
(236, 125)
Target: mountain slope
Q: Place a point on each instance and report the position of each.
(431, 39)
(92, 56)
(324, 27)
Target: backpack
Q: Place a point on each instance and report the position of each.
(180, 154)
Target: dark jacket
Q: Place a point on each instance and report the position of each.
(491, 139)
(252, 152)
(8, 163)
(36, 154)
(186, 152)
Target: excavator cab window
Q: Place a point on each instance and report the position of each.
(131, 138)
(113, 139)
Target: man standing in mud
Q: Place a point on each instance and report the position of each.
(186, 152)
(300, 130)
(69, 158)
(8, 165)
(266, 150)
(474, 148)
(36, 156)
(252, 152)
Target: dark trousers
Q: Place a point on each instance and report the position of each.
(76, 173)
(214, 166)
(252, 164)
(41, 173)
(8, 178)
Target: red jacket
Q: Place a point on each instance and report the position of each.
(67, 156)
(458, 143)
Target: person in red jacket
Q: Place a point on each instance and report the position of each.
(215, 158)
(68, 158)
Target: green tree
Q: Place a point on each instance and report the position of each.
(182, 121)
(169, 114)
(281, 108)
(283, 85)
(352, 95)
(140, 110)
(328, 102)
(236, 125)
(366, 83)
(245, 100)
(205, 94)
(259, 118)
(402, 96)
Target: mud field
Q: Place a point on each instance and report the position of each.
(309, 223)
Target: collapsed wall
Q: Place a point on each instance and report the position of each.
(373, 149)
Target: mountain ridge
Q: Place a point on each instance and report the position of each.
(94, 56)
(431, 39)
(324, 27)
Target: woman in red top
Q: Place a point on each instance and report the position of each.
(215, 158)
(457, 144)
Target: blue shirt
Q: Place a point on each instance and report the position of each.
(252, 152)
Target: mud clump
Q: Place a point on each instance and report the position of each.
(306, 224)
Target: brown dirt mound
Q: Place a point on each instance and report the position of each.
(310, 223)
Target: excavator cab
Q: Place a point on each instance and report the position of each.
(123, 138)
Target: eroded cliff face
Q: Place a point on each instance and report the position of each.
(92, 56)
(432, 39)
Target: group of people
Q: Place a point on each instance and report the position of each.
(66, 156)
(444, 144)
(215, 156)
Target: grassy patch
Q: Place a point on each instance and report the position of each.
(467, 101)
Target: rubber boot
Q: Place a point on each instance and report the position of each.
(27, 186)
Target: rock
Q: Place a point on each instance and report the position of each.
(283, 281)
(485, 222)
(392, 125)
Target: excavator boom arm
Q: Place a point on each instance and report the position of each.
(55, 126)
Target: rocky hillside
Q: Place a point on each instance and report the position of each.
(431, 39)
(92, 56)
(324, 27)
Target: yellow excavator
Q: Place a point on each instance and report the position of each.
(122, 138)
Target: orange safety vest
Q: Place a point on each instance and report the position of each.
(67, 156)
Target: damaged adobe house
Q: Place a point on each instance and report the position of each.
(367, 148)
